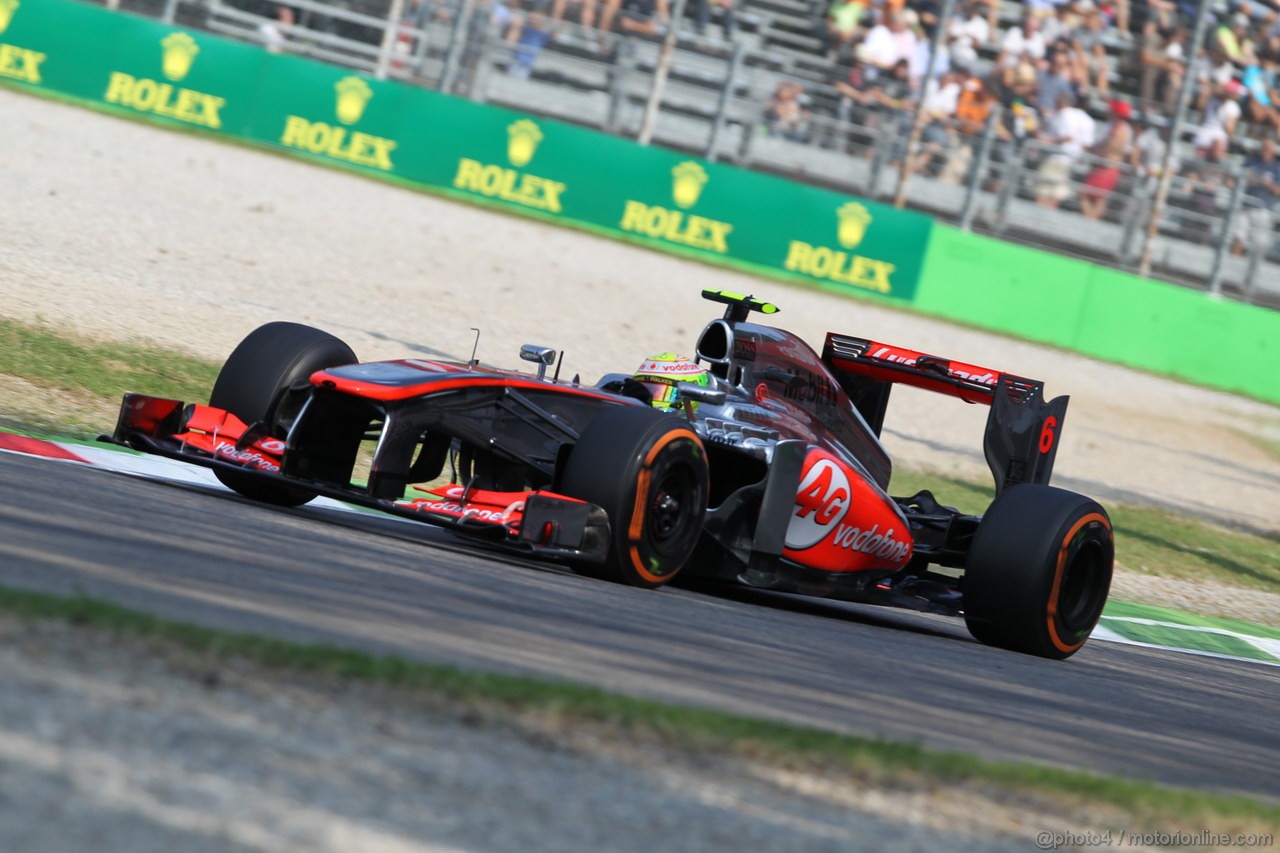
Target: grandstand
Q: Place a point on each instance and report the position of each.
(1215, 231)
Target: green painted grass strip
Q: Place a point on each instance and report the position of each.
(1165, 614)
(1180, 640)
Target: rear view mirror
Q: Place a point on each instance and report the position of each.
(701, 394)
(541, 356)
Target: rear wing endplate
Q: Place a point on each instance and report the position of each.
(1021, 437)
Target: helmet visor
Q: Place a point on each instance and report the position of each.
(663, 394)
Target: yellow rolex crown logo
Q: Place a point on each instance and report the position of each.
(523, 137)
(690, 178)
(353, 96)
(180, 52)
(7, 8)
(854, 219)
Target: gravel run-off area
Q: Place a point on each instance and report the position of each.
(120, 231)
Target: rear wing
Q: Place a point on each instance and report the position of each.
(1021, 437)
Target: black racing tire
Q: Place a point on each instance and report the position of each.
(264, 380)
(1039, 571)
(648, 471)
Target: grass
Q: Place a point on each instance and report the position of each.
(689, 730)
(1159, 542)
(99, 368)
(1149, 540)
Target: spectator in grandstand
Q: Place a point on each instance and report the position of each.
(892, 101)
(919, 59)
(896, 97)
(1024, 83)
(1068, 132)
(893, 90)
(929, 13)
(1021, 122)
(1060, 23)
(938, 110)
(1203, 179)
(500, 16)
(1165, 13)
(702, 17)
(1121, 19)
(870, 99)
(888, 43)
(1056, 80)
(967, 34)
(1232, 38)
(1017, 124)
(1023, 39)
(787, 114)
(974, 106)
(1221, 116)
(1021, 42)
(843, 27)
(274, 34)
(856, 90)
(1113, 149)
(637, 17)
(586, 14)
(1254, 228)
(1259, 81)
(973, 109)
(1160, 64)
(1093, 68)
(1146, 155)
(1212, 67)
(529, 37)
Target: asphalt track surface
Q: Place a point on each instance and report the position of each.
(311, 575)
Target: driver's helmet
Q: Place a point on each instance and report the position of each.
(660, 374)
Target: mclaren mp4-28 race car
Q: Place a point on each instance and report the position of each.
(757, 461)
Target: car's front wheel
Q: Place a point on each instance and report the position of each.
(1038, 572)
(265, 379)
(648, 471)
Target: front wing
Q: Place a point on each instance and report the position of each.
(539, 522)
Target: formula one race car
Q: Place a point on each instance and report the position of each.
(766, 468)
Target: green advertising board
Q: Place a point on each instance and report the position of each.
(332, 114)
(664, 199)
(1101, 312)
(129, 64)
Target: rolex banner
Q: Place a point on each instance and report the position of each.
(526, 164)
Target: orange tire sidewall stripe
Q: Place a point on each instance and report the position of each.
(636, 527)
(1052, 612)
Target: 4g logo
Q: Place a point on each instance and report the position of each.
(821, 501)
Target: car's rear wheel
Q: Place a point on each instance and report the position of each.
(1038, 572)
(648, 471)
(266, 379)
